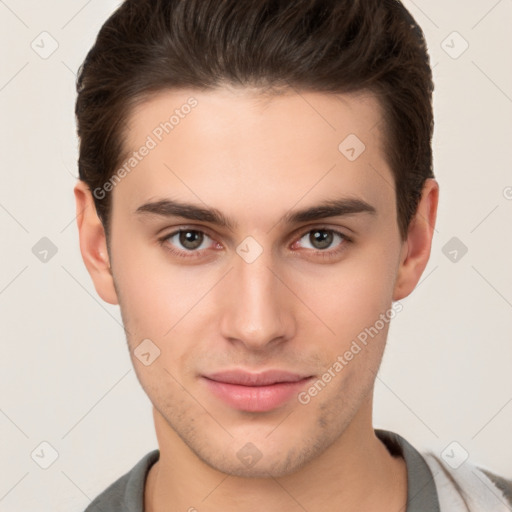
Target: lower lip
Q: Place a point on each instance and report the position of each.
(256, 398)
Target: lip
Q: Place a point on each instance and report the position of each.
(255, 392)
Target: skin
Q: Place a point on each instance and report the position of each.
(255, 159)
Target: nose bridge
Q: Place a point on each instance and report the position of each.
(256, 312)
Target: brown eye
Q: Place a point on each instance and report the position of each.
(190, 239)
(187, 240)
(321, 239)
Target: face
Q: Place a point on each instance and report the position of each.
(272, 251)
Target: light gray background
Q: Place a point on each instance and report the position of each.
(66, 376)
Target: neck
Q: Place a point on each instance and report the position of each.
(355, 473)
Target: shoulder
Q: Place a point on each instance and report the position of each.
(126, 494)
(469, 487)
(504, 485)
(112, 498)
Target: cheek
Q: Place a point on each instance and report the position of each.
(166, 304)
(154, 294)
(160, 300)
(351, 295)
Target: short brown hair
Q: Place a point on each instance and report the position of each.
(332, 46)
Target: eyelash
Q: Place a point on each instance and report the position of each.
(192, 254)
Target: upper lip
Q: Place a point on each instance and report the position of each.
(244, 378)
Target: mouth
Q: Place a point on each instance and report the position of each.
(255, 392)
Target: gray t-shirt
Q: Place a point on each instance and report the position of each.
(127, 493)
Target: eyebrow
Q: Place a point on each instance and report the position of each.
(329, 208)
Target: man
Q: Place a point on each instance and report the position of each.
(256, 193)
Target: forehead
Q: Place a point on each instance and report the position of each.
(236, 147)
(291, 115)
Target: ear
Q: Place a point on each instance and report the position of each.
(93, 244)
(416, 249)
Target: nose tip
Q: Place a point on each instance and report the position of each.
(255, 310)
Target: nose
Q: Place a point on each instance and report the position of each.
(257, 308)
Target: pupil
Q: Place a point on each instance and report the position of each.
(191, 239)
(321, 239)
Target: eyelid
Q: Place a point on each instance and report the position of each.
(296, 237)
(177, 229)
(322, 227)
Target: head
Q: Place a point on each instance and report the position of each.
(290, 142)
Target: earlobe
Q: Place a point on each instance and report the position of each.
(93, 244)
(416, 249)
